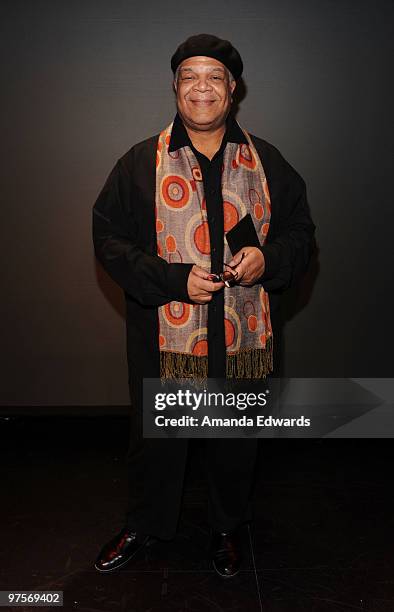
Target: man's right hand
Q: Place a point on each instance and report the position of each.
(199, 286)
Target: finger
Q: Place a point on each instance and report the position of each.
(236, 258)
(240, 271)
(200, 272)
(209, 286)
(203, 298)
(217, 286)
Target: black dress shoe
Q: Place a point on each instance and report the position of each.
(121, 549)
(226, 553)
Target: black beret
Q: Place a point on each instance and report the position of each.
(210, 46)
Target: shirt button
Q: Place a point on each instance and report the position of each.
(213, 249)
(212, 191)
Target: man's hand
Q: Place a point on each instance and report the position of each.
(251, 268)
(200, 287)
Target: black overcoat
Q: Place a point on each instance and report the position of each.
(124, 236)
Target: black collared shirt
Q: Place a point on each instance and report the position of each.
(211, 174)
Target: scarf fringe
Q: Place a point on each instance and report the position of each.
(182, 365)
(251, 363)
(247, 363)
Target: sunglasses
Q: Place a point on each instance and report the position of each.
(228, 276)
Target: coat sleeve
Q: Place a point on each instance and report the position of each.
(288, 253)
(149, 279)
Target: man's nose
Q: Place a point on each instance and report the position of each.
(202, 84)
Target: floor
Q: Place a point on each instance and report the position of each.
(322, 539)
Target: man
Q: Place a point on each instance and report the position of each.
(159, 228)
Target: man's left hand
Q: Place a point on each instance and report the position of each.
(251, 268)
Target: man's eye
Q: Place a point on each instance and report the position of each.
(217, 78)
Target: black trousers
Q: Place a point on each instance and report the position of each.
(156, 468)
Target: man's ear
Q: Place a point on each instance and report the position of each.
(233, 86)
(174, 85)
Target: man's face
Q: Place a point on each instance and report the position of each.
(203, 93)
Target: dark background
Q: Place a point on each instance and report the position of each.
(83, 81)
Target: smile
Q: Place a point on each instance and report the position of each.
(203, 102)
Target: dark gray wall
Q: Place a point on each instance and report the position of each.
(84, 81)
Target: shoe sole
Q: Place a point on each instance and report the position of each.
(113, 569)
(225, 575)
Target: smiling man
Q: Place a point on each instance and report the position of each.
(162, 228)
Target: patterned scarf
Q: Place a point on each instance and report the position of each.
(183, 236)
